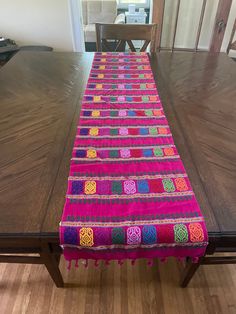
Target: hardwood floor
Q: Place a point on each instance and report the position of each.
(114, 289)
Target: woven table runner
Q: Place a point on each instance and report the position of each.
(128, 193)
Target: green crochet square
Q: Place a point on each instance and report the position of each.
(158, 152)
(113, 113)
(114, 153)
(148, 112)
(145, 98)
(118, 235)
(168, 185)
(112, 98)
(116, 187)
(153, 131)
(113, 131)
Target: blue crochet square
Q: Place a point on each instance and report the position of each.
(143, 131)
(131, 113)
(128, 86)
(143, 186)
(129, 98)
(149, 235)
(147, 152)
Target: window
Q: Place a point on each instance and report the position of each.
(123, 4)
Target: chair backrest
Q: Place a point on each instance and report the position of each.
(125, 33)
(232, 43)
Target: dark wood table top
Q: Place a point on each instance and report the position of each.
(40, 101)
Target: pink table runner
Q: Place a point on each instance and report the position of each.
(128, 193)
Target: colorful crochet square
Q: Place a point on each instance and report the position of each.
(128, 193)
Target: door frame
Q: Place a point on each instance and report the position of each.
(76, 21)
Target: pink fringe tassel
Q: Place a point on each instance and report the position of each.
(69, 265)
(150, 262)
(77, 263)
(195, 260)
(120, 262)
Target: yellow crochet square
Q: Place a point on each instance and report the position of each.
(93, 131)
(102, 67)
(99, 86)
(97, 98)
(103, 60)
(95, 113)
(90, 187)
(100, 75)
(86, 237)
(91, 153)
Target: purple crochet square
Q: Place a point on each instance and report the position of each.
(102, 236)
(84, 131)
(80, 153)
(70, 235)
(104, 113)
(103, 131)
(77, 187)
(103, 153)
(87, 113)
(91, 85)
(104, 187)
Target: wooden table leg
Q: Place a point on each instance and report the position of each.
(188, 272)
(51, 261)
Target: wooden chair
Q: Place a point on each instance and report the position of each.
(232, 45)
(123, 33)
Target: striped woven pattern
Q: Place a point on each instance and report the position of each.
(128, 193)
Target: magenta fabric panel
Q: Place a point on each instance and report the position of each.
(128, 193)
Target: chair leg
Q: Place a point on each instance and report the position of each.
(188, 272)
(51, 261)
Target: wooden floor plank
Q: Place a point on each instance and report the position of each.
(118, 289)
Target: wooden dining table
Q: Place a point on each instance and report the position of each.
(40, 101)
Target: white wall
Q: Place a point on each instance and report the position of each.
(39, 22)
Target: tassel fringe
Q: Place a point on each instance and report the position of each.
(150, 261)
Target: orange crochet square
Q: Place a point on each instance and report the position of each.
(153, 98)
(162, 130)
(157, 113)
(181, 184)
(169, 151)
